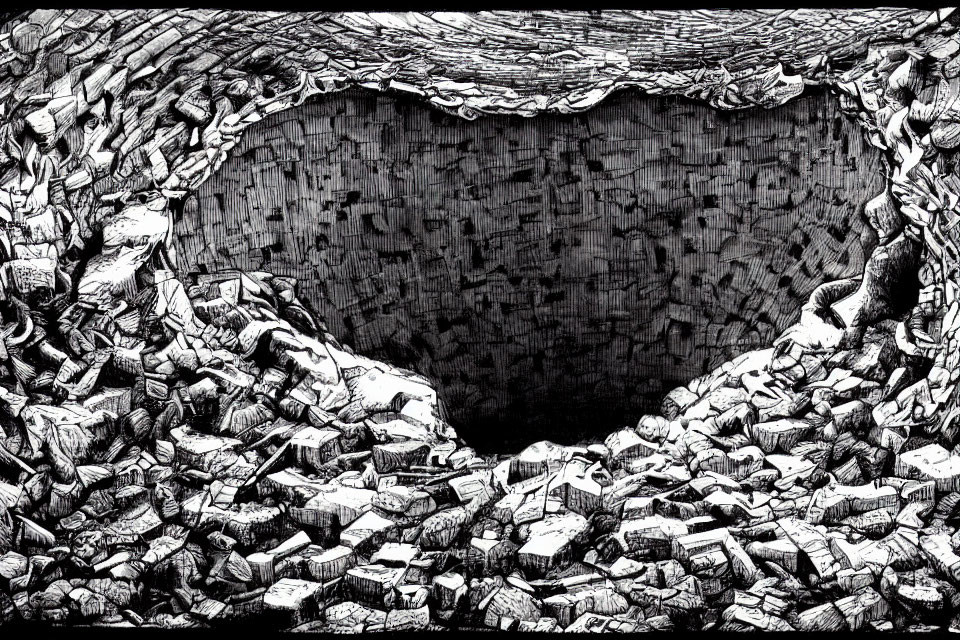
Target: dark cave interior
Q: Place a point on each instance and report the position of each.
(554, 276)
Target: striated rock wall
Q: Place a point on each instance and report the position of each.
(540, 269)
(119, 106)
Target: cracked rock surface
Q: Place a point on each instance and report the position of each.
(183, 451)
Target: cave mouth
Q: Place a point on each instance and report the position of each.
(553, 276)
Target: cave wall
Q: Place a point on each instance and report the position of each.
(111, 118)
(538, 269)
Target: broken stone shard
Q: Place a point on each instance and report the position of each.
(299, 600)
(931, 462)
(550, 542)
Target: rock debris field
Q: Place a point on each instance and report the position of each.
(322, 491)
(197, 450)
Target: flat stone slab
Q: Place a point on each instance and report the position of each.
(782, 551)
(372, 582)
(204, 451)
(652, 534)
(369, 529)
(301, 599)
(550, 541)
(779, 434)
(931, 462)
(331, 563)
(347, 503)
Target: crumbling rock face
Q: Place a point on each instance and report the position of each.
(184, 452)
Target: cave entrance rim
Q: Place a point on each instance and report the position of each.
(314, 162)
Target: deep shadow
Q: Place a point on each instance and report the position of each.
(554, 276)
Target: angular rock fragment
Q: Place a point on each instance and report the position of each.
(825, 618)
(491, 555)
(367, 532)
(812, 543)
(407, 619)
(625, 445)
(509, 604)
(780, 435)
(346, 503)
(374, 583)
(297, 600)
(351, 617)
(736, 464)
(862, 608)
(313, 447)
(566, 608)
(853, 416)
(931, 462)
(550, 542)
(538, 459)
(833, 504)
(399, 455)
(597, 623)
(405, 500)
(791, 469)
(939, 552)
(202, 451)
(676, 401)
(327, 564)
(442, 528)
(394, 554)
(650, 535)
(578, 487)
(783, 552)
(263, 563)
(757, 618)
(470, 486)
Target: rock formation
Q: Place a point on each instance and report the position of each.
(193, 450)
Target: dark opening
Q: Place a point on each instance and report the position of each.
(554, 276)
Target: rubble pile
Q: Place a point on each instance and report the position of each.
(183, 452)
(789, 489)
(153, 432)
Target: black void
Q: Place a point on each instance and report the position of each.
(554, 276)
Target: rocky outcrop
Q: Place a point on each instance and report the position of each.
(184, 453)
